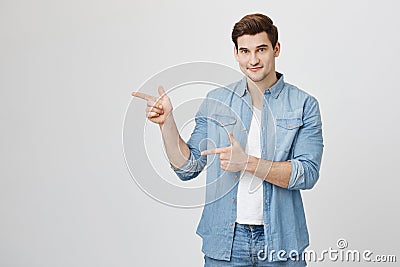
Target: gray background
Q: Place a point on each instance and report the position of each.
(67, 71)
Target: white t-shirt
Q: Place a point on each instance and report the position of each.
(250, 191)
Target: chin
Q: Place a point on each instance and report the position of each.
(256, 78)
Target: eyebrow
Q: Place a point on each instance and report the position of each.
(258, 46)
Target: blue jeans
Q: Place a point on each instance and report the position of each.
(248, 241)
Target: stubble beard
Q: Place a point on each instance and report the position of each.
(257, 78)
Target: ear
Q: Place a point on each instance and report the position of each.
(277, 49)
(235, 53)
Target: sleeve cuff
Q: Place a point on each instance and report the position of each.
(187, 166)
(297, 176)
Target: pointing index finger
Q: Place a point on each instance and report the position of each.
(213, 151)
(144, 96)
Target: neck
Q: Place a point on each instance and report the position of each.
(257, 89)
(267, 83)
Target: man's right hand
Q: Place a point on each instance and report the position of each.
(158, 109)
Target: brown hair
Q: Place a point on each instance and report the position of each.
(253, 24)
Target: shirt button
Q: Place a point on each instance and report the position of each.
(290, 126)
(230, 224)
(244, 129)
(233, 199)
(236, 176)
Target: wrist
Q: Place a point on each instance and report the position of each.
(169, 121)
(252, 163)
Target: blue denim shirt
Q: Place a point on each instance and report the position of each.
(291, 130)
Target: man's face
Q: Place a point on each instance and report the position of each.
(256, 56)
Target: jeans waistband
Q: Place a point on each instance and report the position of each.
(250, 227)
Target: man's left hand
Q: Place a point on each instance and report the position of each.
(232, 158)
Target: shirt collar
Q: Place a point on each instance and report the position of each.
(275, 89)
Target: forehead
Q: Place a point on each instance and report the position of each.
(252, 41)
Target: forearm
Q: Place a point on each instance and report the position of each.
(277, 173)
(177, 150)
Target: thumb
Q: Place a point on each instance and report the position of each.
(231, 139)
(161, 91)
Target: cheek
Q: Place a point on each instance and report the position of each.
(242, 66)
(242, 59)
(241, 62)
(268, 59)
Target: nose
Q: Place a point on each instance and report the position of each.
(254, 60)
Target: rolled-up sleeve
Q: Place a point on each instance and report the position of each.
(196, 143)
(190, 169)
(307, 149)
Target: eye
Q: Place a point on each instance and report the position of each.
(243, 51)
(262, 49)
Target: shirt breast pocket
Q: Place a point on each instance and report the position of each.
(286, 131)
(221, 125)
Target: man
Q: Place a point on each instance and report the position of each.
(254, 214)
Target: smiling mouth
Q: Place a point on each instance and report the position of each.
(254, 69)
